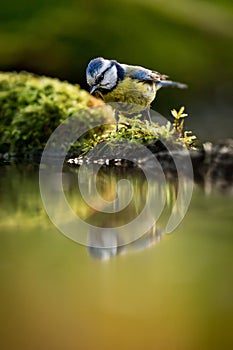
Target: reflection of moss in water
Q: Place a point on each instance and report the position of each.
(181, 290)
(23, 205)
(107, 183)
(21, 197)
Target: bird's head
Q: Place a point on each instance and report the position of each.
(102, 75)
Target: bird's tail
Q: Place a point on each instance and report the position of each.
(169, 83)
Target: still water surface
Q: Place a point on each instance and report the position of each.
(164, 291)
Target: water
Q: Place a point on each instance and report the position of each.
(165, 291)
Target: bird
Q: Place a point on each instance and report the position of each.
(133, 87)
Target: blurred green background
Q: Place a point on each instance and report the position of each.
(174, 295)
(190, 40)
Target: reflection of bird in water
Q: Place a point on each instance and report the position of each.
(134, 86)
(103, 245)
(106, 245)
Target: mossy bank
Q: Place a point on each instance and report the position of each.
(31, 108)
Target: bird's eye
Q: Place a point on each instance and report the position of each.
(99, 78)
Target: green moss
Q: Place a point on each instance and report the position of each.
(32, 107)
(154, 136)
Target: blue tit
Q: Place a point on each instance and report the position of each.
(134, 87)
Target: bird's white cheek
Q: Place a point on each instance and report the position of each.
(110, 78)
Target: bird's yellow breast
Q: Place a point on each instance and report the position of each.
(132, 92)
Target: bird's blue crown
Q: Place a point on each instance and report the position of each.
(94, 66)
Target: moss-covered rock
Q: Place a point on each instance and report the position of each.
(155, 137)
(31, 107)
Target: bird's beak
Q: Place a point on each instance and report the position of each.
(93, 89)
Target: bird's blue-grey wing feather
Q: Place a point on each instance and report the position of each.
(143, 74)
(146, 75)
(169, 83)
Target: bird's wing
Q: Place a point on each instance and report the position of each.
(158, 76)
(169, 83)
(143, 74)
